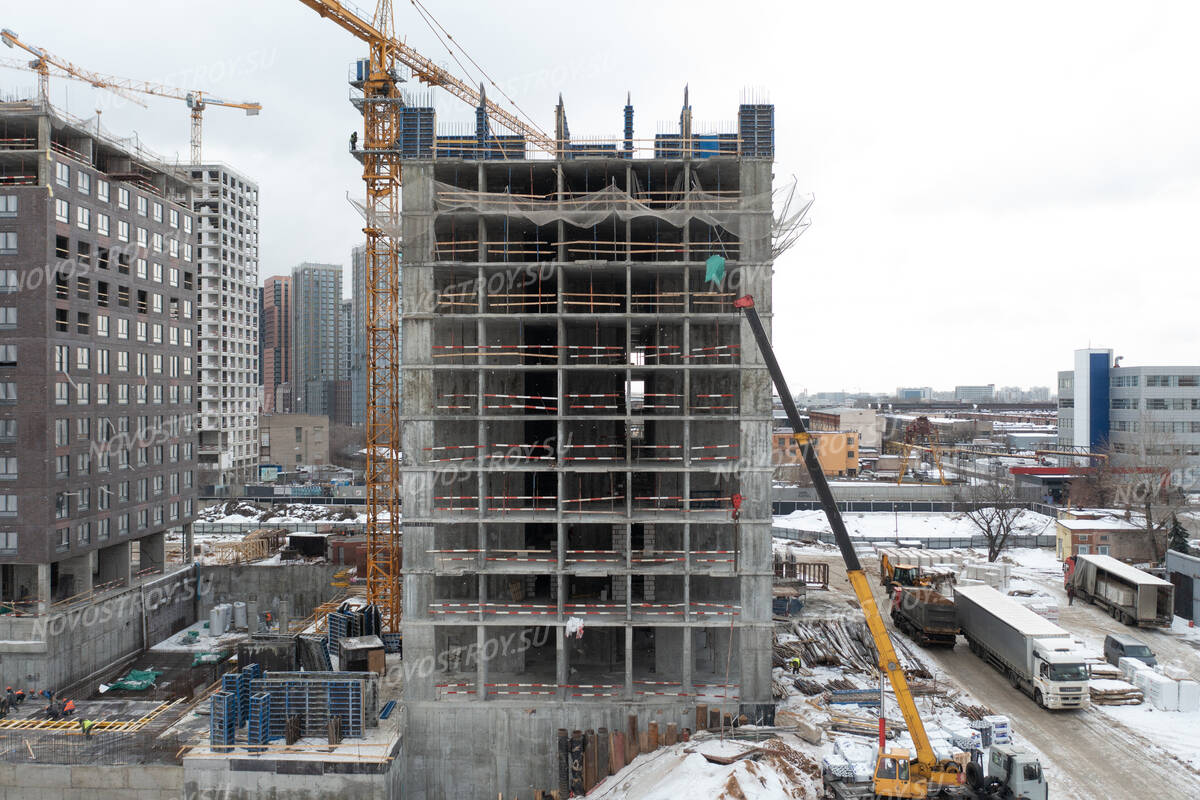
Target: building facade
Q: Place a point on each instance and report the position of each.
(226, 206)
(293, 440)
(98, 316)
(576, 438)
(1138, 414)
(276, 343)
(975, 394)
(837, 451)
(316, 332)
(866, 422)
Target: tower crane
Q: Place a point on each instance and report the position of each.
(381, 106)
(196, 99)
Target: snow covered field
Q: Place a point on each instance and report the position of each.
(882, 526)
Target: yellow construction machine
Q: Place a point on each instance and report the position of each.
(898, 773)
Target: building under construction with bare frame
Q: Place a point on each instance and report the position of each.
(586, 439)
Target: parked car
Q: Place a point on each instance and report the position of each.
(1118, 645)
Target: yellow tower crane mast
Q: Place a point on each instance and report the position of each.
(381, 106)
(196, 100)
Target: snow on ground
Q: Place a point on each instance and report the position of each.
(681, 771)
(909, 525)
(1174, 732)
(241, 511)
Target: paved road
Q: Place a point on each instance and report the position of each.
(1094, 757)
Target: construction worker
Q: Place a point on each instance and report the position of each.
(86, 726)
(10, 696)
(795, 665)
(68, 708)
(1070, 594)
(19, 697)
(3, 707)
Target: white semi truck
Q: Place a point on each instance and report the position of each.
(1037, 656)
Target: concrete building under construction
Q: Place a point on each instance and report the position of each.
(586, 438)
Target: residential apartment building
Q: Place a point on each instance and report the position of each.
(975, 394)
(1137, 413)
(316, 308)
(293, 440)
(226, 206)
(98, 305)
(275, 344)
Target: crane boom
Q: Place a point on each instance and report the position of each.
(196, 100)
(425, 70)
(889, 663)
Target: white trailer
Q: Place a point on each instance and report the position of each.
(1128, 594)
(1037, 656)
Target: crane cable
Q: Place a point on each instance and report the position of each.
(435, 26)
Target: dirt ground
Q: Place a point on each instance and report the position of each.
(1092, 755)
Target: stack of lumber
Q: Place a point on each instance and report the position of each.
(835, 643)
(1109, 692)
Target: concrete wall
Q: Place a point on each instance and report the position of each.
(252, 777)
(62, 647)
(302, 586)
(54, 782)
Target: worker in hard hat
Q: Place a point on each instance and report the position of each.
(794, 663)
(86, 726)
(68, 708)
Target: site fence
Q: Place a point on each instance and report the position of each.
(242, 528)
(781, 508)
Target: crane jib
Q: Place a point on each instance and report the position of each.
(811, 461)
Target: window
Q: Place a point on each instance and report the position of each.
(102, 394)
(1156, 403)
(8, 430)
(141, 326)
(1158, 380)
(102, 224)
(102, 189)
(102, 325)
(122, 393)
(143, 239)
(1190, 381)
(8, 355)
(156, 330)
(158, 246)
(62, 175)
(83, 358)
(141, 268)
(102, 524)
(83, 466)
(64, 538)
(101, 361)
(123, 525)
(187, 224)
(8, 392)
(157, 273)
(62, 210)
(122, 323)
(83, 217)
(83, 428)
(158, 211)
(122, 197)
(8, 281)
(123, 492)
(173, 247)
(156, 305)
(83, 288)
(123, 235)
(8, 542)
(83, 184)
(8, 317)
(83, 323)
(8, 243)
(62, 466)
(174, 218)
(85, 533)
(8, 505)
(83, 393)
(8, 205)
(187, 252)
(142, 206)
(61, 428)
(122, 361)
(1122, 403)
(8, 468)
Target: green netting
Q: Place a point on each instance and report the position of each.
(137, 679)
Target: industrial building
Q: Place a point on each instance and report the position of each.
(586, 436)
(98, 303)
(226, 206)
(1146, 413)
(866, 422)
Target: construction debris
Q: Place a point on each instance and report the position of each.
(841, 643)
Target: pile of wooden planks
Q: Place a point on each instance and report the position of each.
(833, 643)
(1107, 692)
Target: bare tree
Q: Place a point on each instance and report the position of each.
(994, 508)
(1145, 472)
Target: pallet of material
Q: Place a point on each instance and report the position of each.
(1110, 692)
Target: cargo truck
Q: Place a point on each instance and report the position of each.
(925, 615)
(1127, 593)
(1037, 656)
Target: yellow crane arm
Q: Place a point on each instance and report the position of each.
(889, 663)
(425, 70)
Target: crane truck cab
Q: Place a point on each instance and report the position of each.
(1019, 773)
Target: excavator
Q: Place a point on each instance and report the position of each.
(1013, 774)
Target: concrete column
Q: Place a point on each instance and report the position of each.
(188, 545)
(114, 563)
(79, 571)
(481, 664)
(153, 551)
(43, 587)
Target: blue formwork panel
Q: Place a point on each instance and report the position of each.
(345, 701)
(222, 721)
(258, 727)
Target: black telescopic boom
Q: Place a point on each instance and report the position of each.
(811, 462)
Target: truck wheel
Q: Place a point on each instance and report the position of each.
(1013, 680)
(1037, 698)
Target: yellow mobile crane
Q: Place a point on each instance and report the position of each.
(897, 773)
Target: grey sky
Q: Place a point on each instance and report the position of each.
(996, 185)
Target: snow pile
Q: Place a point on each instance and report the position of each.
(240, 511)
(781, 772)
(909, 525)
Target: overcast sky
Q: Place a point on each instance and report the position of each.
(996, 184)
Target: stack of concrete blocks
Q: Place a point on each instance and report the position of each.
(1166, 688)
